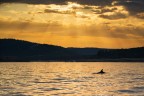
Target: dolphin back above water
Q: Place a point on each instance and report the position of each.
(101, 72)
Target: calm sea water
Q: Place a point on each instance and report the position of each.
(71, 79)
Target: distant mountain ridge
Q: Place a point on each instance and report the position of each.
(19, 50)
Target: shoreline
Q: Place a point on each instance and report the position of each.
(88, 60)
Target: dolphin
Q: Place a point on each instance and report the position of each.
(100, 72)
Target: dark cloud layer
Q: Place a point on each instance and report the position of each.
(34, 1)
(87, 2)
(132, 6)
(114, 16)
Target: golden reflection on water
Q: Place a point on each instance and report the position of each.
(71, 79)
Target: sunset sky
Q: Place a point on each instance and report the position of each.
(74, 23)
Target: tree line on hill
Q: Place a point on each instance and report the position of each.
(19, 50)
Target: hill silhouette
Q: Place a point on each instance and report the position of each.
(19, 50)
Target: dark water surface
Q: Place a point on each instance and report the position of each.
(71, 79)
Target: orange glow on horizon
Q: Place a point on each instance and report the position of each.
(72, 25)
